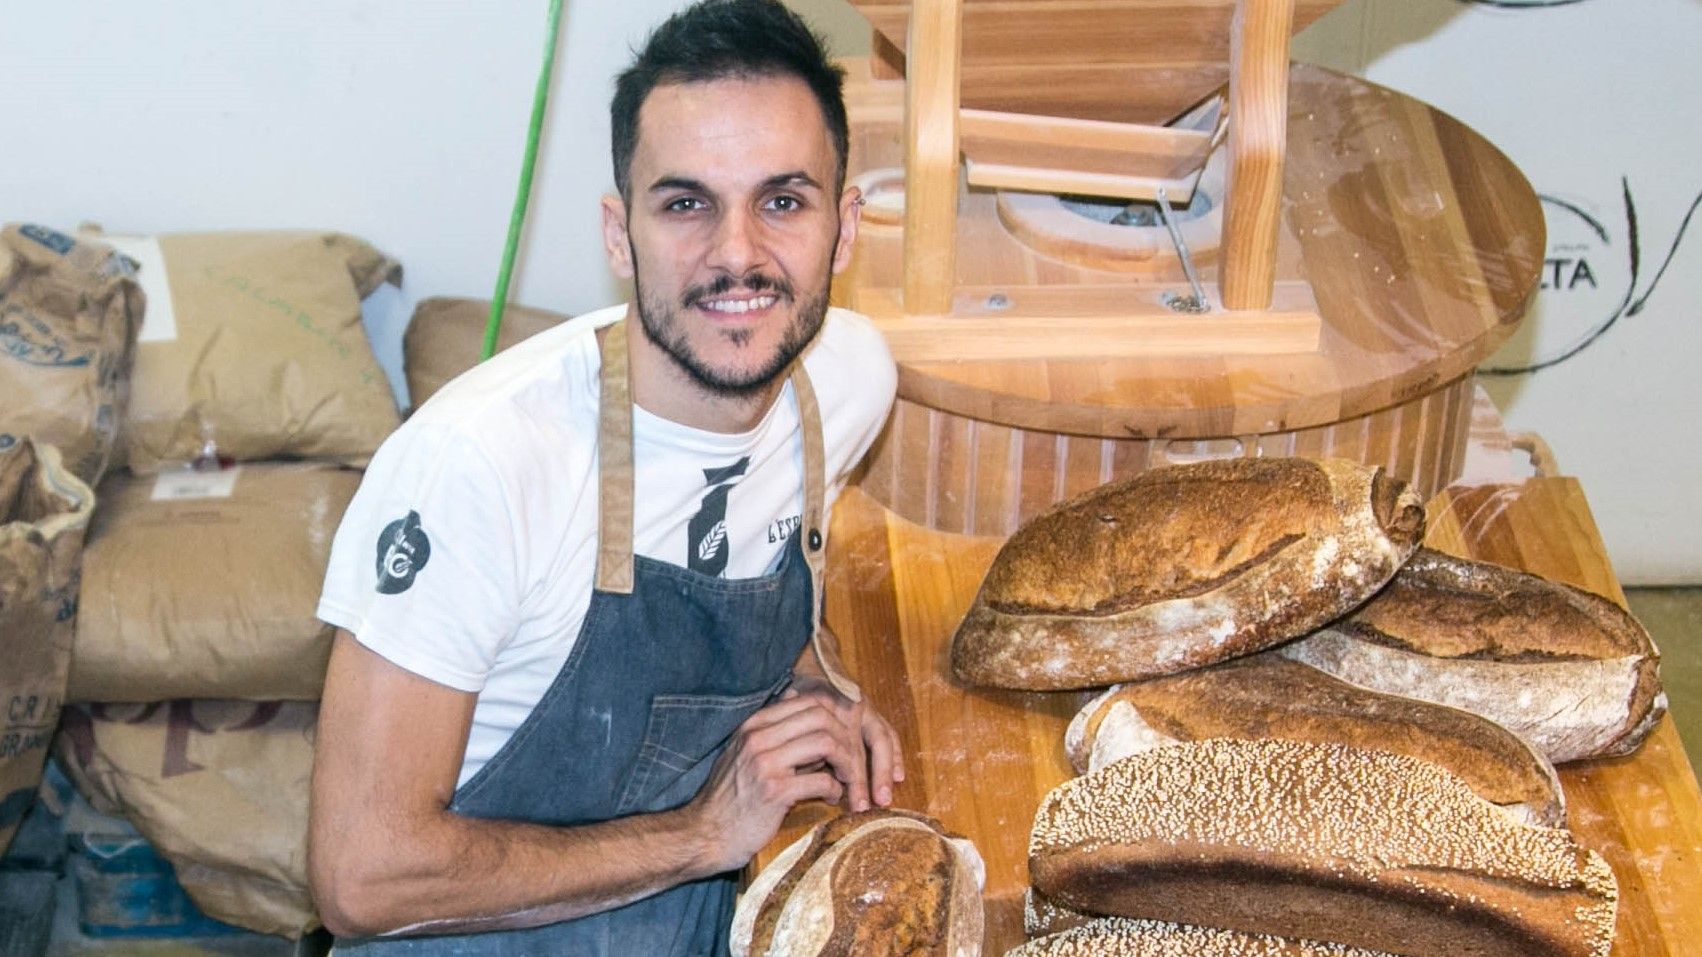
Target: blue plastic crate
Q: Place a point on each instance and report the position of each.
(125, 889)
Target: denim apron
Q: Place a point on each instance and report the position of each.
(668, 663)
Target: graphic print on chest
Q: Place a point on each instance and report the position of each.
(706, 533)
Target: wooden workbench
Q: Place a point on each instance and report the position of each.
(981, 760)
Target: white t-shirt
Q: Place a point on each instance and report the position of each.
(468, 554)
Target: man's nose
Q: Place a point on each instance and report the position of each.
(738, 243)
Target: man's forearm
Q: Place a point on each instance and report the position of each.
(458, 874)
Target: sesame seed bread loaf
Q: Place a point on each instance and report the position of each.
(1570, 671)
(1267, 696)
(1322, 842)
(1181, 567)
(1123, 937)
(875, 884)
(1042, 916)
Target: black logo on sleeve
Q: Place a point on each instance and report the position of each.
(403, 550)
(706, 532)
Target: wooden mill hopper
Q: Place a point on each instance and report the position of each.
(1128, 61)
(1337, 259)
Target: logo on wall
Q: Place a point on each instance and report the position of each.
(403, 549)
(1590, 281)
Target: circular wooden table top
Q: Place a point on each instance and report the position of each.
(1421, 240)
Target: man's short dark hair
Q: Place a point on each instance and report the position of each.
(720, 39)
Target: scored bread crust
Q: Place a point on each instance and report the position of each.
(1572, 672)
(1181, 567)
(877, 883)
(1126, 937)
(1318, 841)
(1267, 696)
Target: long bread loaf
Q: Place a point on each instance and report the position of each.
(1322, 842)
(1570, 671)
(1123, 937)
(1267, 696)
(875, 884)
(1182, 567)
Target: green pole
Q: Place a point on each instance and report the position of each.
(518, 217)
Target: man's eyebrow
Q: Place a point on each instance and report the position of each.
(794, 178)
(677, 182)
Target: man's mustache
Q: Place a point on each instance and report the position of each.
(722, 285)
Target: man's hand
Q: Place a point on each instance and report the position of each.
(812, 744)
(784, 754)
(866, 782)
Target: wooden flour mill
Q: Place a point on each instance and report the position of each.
(1106, 236)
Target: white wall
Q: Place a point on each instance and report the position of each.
(401, 121)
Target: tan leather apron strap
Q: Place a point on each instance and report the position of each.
(814, 528)
(614, 456)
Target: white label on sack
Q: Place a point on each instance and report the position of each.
(177, 486)
(159, 322)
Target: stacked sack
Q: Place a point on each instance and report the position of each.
(199, 656)
(1318, 735)
(235, 405)
(69, 316)
(234, 414)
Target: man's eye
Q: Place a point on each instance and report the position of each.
(786, 204)
(685, 204)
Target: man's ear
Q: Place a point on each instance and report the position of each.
(850, 213)
(617, 245)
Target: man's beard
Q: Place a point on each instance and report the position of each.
(662, 325)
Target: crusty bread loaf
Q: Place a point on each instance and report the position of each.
(1268, 696)
(879, 883)
(1572, 672)
(1124, 937)
(1323, 842)
(1182, 567)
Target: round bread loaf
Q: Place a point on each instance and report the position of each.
(1571, 672)
(1268, 696)
(876, 884)
(1123, 937)
(1322, 842)
(1182, 567)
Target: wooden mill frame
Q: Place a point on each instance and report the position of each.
(937, 131)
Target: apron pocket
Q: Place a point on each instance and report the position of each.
(682, 738)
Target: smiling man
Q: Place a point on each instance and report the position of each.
(579, 676)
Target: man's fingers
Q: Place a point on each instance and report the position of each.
(804, 751)
(843, 751)
(811, 742)
(897, 751)
(883, 759)
(772, 714)
(802, 730)
(820, 786)
(796, 718)
(855, 769)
